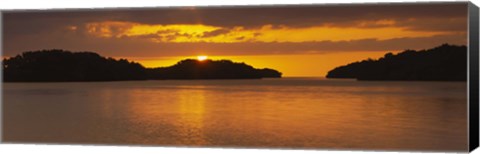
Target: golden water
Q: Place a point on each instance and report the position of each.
(272, 113)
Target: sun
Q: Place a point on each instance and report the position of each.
(202, 58)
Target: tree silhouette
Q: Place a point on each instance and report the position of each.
(62, 66)
(442, 63)
(210, 69)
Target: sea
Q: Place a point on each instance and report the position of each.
(286, 113)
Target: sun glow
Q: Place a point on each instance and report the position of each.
(202, 58)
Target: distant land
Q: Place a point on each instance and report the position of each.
(442, 63)
(211, 69)
(65, 66)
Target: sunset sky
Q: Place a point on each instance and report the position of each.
(303, 40)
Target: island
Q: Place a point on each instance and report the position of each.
(58, 65)
(443, 63)
(211, 69)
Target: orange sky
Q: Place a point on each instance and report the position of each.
(289, 65)
(296, 40)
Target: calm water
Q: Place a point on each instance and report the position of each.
(279, 113)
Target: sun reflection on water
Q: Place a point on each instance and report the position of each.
(191, 111)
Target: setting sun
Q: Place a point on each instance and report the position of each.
(202, 58)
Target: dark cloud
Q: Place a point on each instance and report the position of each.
(251, 16)
(129, 47)
(33, 30)
(436, 24)
(216, 32)
(300, 15)
(240, 38)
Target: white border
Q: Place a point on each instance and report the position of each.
(80, 149)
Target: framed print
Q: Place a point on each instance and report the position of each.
(385, 77)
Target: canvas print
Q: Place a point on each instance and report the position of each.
(350, 77)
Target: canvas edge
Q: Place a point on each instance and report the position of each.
(473, 77)
(1, 77)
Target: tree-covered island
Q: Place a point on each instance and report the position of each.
(65, 66)
(442, 63)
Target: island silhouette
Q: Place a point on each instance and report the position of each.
(58, 65)
(211, 69)
(443, 63)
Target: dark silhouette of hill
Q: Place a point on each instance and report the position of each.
(211, 69)
(61, 66)
(442, 63)
(64, 66)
